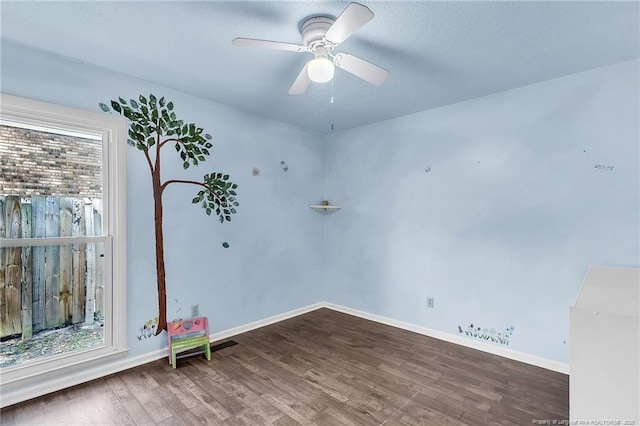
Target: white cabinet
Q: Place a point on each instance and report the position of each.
(604, 351)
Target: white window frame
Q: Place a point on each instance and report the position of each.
(57, 370)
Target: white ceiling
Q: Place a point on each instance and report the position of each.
(438, 52)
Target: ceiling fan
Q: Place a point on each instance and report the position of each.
(320, 35)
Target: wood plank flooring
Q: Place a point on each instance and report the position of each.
(321, 368)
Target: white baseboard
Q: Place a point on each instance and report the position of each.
(225, 334)
(452, 338)
(16, 392)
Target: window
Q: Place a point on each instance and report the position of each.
(62, 236)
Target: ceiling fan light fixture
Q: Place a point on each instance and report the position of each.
(320, 69)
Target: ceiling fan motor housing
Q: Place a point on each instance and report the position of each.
(313, 31)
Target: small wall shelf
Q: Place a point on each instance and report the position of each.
(324, 208)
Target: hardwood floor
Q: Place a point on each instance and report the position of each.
(321, 368)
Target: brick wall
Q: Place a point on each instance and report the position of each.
(34, 162)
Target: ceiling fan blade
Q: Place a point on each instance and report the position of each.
(352, 18)
(302, 82)
(360, 68)
(266, 44)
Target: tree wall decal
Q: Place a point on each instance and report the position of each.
(154, 125)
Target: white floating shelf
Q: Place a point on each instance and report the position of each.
(324, 208)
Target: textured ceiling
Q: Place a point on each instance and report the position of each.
(438, 52)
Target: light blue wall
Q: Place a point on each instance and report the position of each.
(502, 228)
(274, 262)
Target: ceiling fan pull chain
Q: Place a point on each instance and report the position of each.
(332, 92)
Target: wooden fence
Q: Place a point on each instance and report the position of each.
(45, 287)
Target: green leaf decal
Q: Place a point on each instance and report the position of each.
(116, 106)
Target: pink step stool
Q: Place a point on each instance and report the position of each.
(188, 334)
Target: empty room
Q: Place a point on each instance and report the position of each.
(319, 212)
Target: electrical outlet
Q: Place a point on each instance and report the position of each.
(429, 302)
(195, 310)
